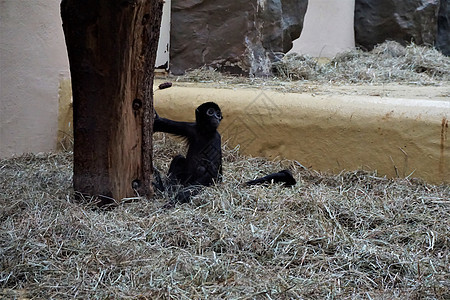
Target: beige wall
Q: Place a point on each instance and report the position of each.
(35, 90)
(327, 28)
(332, 133)
(33, 62)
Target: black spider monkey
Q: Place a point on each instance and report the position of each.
(202, 165)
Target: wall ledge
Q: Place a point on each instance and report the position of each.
(397, 137)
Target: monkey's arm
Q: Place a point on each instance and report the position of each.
(185, 129)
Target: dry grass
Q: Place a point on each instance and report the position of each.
(388, 62)
(351, 236)
(348, 236)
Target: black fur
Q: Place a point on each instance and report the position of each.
(282, 176)
(202, 165)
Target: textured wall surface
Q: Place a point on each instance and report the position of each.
(240, 37)
(398, 20)
(245, 36)
(443, 34)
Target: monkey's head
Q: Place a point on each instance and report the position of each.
(208, 116)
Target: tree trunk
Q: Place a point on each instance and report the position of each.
(112, 49)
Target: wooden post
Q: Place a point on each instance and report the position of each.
(112, 49)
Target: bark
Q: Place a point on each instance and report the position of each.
(112, 48)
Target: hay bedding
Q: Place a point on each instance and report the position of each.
(349, 236)
(387, 63)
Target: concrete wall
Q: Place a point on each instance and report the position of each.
(328, 28)
(35, 90)
(163, 52)
(398, 137)
(33, 62)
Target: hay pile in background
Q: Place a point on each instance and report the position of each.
(351, 236)
(386, 63)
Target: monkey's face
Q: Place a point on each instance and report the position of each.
(214, 117)
(208, 116)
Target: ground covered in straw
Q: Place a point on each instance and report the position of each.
(351, 236)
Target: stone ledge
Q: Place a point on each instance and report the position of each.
(394, 136)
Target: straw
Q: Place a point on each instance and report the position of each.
(350, 236)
